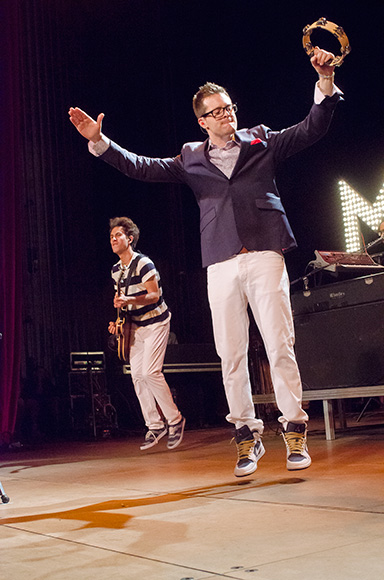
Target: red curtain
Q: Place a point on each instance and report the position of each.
(10, 224)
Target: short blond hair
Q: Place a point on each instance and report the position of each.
(205, 91)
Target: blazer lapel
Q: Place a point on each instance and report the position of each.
(202, 157)
(247, 144)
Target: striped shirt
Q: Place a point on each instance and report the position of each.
(142, 315)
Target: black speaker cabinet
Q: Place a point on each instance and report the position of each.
(341, 347)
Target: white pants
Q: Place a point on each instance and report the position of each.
(148, 346)
(259, 279)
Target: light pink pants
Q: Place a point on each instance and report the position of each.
(259, 279)
(148, 346)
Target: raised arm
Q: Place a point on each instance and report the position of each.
(326, 72)
(167, 170)
(86, 126)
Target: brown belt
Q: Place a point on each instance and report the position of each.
(245, 251)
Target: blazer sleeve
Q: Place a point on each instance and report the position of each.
(142, 168)
(293, 139)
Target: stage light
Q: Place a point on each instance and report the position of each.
(356, 208)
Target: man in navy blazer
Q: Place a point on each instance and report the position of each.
(244, 232)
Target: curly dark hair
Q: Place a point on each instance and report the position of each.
(129, 227)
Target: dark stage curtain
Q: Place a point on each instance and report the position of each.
(10, 224)
(62, 294)
(56, 199)
(40, 208)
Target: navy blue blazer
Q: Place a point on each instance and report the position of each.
(245, 209)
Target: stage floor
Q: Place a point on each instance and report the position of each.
(105, 510)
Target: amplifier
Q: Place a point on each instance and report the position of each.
(188, 358)
(191, 353)
(193, 373)
(341, 347)
(87, 361)
(363, 290)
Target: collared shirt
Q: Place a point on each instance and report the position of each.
(141, 314)
(224, 158)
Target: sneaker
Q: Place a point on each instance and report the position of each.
(152, 437)
(295, 438)
(175, 434)
(249, 450)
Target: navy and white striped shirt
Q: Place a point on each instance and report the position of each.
(142, 315)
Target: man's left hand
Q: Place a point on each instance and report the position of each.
(319, 61)
(120, 301)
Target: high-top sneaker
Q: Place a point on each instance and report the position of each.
(249, 450)
(295, 438)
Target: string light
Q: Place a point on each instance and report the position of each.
(355, 208)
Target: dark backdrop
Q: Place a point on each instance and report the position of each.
(140, 62)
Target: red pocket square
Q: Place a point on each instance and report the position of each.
(255, 141)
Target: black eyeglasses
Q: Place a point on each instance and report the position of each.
(220, 111)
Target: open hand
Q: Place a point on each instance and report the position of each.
(87, 127)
